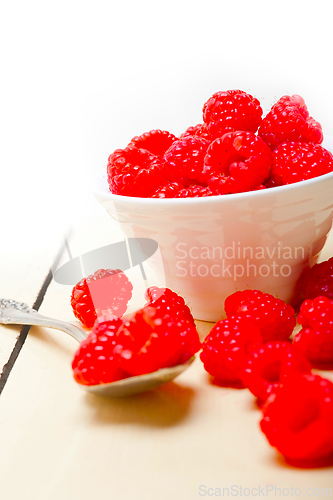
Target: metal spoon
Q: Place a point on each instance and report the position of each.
(18, 313)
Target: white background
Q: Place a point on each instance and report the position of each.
(80, 79)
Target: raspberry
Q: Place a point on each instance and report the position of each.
(271, 183)
(159, 335)
(237, 162)
(299, 161)
(227, 346)
(165, 301)
(318, 280)
(183, 161)
(230, 111)
(315, 339)
(155, 341)
(199, 130)
(105, 291)
(154, 141)
(133, 172)
(195, 130)
(267, 367)
(298, 419)
(194, 191)
(289, 120)
(169, 190)
(95, 362)
(274, 318)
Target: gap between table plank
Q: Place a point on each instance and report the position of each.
(7, 368)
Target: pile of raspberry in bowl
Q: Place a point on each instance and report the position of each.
(234, 150)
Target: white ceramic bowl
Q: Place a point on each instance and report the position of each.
(213, 246)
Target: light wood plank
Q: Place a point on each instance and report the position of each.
(59, 442)
(22, 275)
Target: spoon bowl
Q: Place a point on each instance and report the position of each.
(19, 313)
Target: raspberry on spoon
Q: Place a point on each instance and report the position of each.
(105, 291)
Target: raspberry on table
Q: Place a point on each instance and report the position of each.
(105, 291)
(133, 172)
(95, 361)
(268, 366)
(274, 318)
(289, 120)
(298, 419)
(299, 161)
(183, 162)
(195, 191)
(315, 339)
(225, 349)
(231, 110)
(154, 141)
(237, 162)
(317, 280)
(168, 190)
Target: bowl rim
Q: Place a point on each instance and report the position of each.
(103, 192)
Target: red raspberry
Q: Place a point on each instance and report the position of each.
(190, 131)
(184, 160)
(160, 334)
(315, 339)
(289, 120)
(154, 141)
(95, 362)
(169, 190)
(231, 110)
(194, 191)
(227, 346)
(268, 366)
(156, 340)
(274, 318)
(318, 280)
(299, 161)
(271, 183)
(199, 130)
(237, 162)
(165, 301)
(105, 291)
(298, 419)
(133, 172)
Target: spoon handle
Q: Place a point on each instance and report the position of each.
(18, 313)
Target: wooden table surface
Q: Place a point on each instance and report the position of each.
(181, 441)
